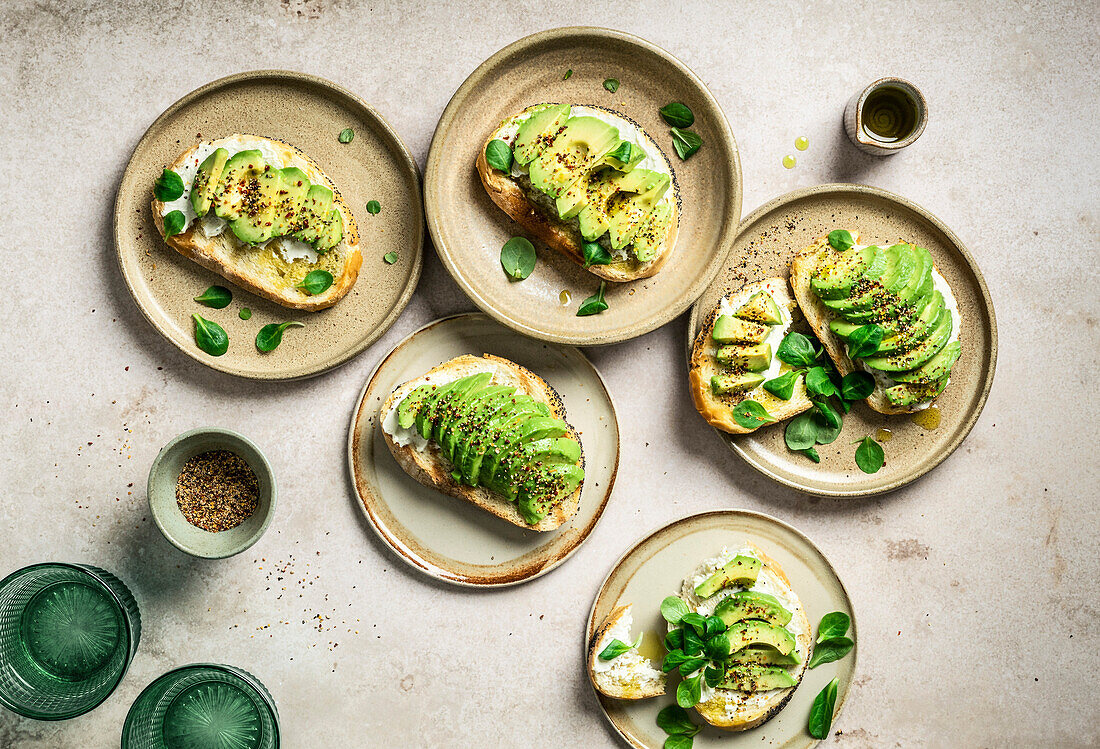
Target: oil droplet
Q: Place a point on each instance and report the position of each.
(564, 297)
(651, 647)
(788, 161)
(928, 419)
(802, 143)
(884, 435)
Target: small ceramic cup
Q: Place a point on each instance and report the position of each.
(167, 514)
(909, 106)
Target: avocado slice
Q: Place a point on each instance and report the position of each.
(410, 405)
(552, 450)
(499, 456)
(477, 408)
(760, 308)
(730, 329)
(754, 358)
(332, 233)
(752, 678)
(604, 185)
(424, 413)
(844, 329)
(257, 215)
(451, 407)
(315, 212)
(238, 176)
(523, 408)
(727, 384)
(582, 143)
(292, 191)
(914, 328)
(834, 278)
(879, 297)
(741, 570)
(935, 369)
(653, 233)
(909, 394)
(920, 283)
(752, 604)
(206, 180)
(763, 655)
(564, 482)
(478, 431)
(756, 632)
(919, 354)
(539, 131)
(629, 212)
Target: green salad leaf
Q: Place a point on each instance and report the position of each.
(216, 297)
(174, 221)
(168, 186)
(517, 257)
(685, 142)
(271, 335)
(750, 414)
(677, 115)
(595, 254)
(316, 282)
(210, 336)
(841, 239)
(346, 135)
(611, 84)
(373, 207)
(594, 304)
(821, 712)
(829, 650)
(498, 155)
(869, 456)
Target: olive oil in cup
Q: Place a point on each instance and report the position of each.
(203, 705)
(67, 635)
(886, 116)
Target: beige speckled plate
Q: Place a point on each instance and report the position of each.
(655, 567)
(308, 112)
(469, 230)
(446, 537)
(765, 244)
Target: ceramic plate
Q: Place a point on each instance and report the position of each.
(765, 244)
(448, 538)
(309, 113)
(469, 230)
(654, 569)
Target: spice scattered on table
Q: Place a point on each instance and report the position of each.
(217, 490)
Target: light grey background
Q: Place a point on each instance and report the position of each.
(975, 588)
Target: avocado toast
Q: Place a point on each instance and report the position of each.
(626, 675)
(581, 174)
(770, 637)
(734, 354)
(262, 214)
(889, 304)
(488, 431)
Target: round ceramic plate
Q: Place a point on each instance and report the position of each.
(448, 538)
(654, 569)
(468, 229)
(309, 113)
(765, 244)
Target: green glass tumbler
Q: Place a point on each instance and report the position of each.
(203, 706)
(67, 635)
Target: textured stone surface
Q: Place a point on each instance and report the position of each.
(975, 587)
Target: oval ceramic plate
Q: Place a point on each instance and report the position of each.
(468, 229)
(767, 241)
(654, 569)
(451, 539)
(309, 113)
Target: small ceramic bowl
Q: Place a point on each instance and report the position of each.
(162, 494)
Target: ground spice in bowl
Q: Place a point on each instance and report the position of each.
(217, 490)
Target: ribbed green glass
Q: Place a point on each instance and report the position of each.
(67, 635)
(203, 706)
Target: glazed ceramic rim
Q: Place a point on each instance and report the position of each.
(987, 302)
(727, 236)
(399, 149)
(365, 496)
(240, 673)
(131, 643)
(592, 625)
(918, 99)
(232, 436)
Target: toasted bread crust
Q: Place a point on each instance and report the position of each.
(819, 316)
(717, 409)
(562, 236)
(606, 686)
(213, 252)
(714, 712)
(432, 469)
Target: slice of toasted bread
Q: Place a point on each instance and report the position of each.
(732, 710)
(717, 409)
(819, 316)
(265, 271)
(541, 220)
(630, 676)
(431, 468)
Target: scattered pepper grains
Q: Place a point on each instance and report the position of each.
(217, 490)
